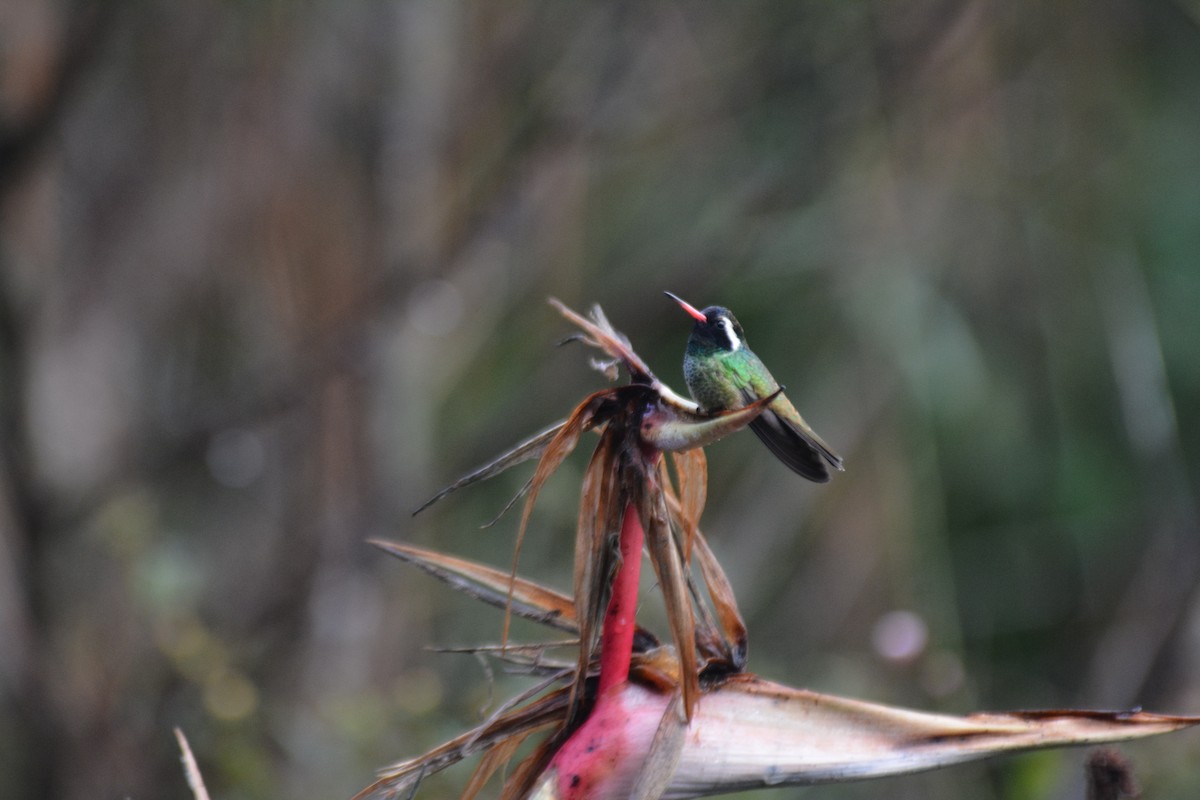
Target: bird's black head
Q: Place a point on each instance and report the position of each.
(716, 328)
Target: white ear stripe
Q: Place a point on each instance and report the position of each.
(727, 326)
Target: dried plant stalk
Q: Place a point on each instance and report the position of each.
(669, 733)
(691, 469)
(600, 511)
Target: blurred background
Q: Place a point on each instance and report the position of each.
(272, 273)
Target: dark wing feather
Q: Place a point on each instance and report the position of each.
(800, 453)
(801, 450)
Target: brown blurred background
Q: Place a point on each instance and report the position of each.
(271, 273)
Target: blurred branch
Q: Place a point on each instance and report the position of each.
(89, 27)
(16, 462)
(27, 536)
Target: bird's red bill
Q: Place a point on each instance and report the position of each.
(688, 307)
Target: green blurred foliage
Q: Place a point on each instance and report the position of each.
(273, 273)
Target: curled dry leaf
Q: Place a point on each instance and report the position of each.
(489, 584)
(723, 645)
(517, 454)
(668, 566)
(544, 713)
(596, 559)
(585, 417)
(691, 469)
(599, 333)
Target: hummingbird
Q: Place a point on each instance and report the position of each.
(723, 373)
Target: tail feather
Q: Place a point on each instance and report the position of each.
(802, 451)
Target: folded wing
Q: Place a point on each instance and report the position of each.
(796, 445)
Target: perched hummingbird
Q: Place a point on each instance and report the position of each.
(723, 373)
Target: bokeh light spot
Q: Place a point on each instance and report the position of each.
(900, 636)
(230, 696)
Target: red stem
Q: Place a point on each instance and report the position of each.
(616, 637)
(596, 760)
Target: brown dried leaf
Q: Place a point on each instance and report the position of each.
(493, 759)
(691, 470)
(545, 712)
(707, 634)
(584, 417)
(600, 509)
(491, 585)
(664, 555)
(731, 640)
(601, 334)
(531, 772)
(519, 453)
(733, 627)
(530, 600)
